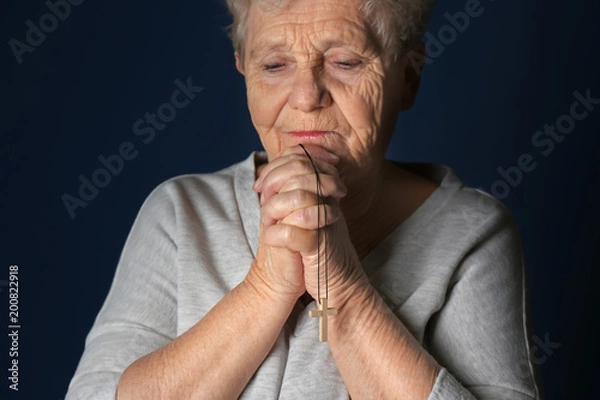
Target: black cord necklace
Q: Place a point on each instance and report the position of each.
(323, 311)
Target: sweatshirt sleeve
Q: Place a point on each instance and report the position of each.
(480, 335)
(139, 314)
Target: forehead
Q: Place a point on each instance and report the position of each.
(320, 24)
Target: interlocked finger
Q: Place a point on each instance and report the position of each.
(291, 237)
(313, 217)
(277, 172)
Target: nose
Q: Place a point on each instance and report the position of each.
(309, 91)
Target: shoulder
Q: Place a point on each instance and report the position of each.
(477, 213)
(480, 229)
(463, 231)
(206, 185)
(459, 213)
(190, 193)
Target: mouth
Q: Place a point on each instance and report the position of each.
(318, 144)
(308, 135)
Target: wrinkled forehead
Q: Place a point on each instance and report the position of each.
(307, 25)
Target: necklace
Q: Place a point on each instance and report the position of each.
(323, 312)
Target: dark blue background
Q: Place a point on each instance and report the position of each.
(78, 94)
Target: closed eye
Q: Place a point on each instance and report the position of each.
(273, 67)
(347, 64)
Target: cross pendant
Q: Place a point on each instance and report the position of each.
(322, 312)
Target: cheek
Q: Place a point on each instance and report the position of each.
(370, 95)
(265, 102)
(361, 104)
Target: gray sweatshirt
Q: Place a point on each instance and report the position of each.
(452, 273)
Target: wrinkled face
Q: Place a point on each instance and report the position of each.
(315, 75)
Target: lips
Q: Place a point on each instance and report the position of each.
(308, 134)
(316, 142)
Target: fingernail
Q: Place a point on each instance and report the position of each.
(258, 184)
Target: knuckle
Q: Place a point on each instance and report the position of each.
(299, 198)
(287, 233)
(298, 165)
(336, 187)
(303, 216)
(268, 208)
(277, 235)
(294, 183)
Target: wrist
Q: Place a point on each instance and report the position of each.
(351, 290)
(357, 304)
(259, 287)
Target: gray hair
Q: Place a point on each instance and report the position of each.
(397, 24)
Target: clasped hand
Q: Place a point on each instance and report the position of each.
(288, 254)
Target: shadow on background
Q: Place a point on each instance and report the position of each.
(76, 100)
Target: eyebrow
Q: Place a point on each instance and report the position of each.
(270, 47)
(283, 46)
(326, 41)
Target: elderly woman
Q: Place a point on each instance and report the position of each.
(212, 293)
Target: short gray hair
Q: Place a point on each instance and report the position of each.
(397, 24)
